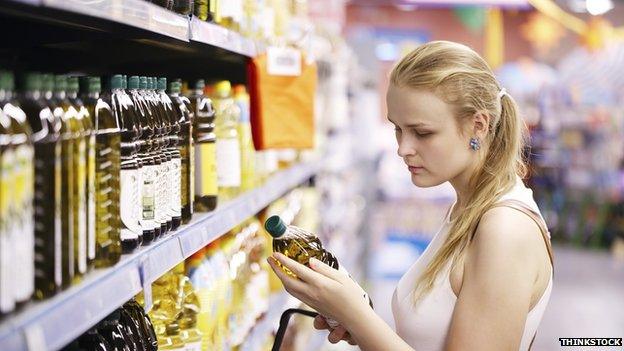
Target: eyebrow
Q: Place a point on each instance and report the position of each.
(413, 125)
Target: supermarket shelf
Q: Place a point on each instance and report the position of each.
(136, 13)
(51, 324)
(221, 37)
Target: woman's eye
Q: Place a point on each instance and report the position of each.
(422, 134)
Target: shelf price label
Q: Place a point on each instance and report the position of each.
(35, 339)
(146, 284)
(283, 61)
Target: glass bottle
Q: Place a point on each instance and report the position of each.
(206, 188)
(128, 175)
(21, 200)
(151, 230)
(85, 167)
(175, 166)
(107, 168)
(181, 106)
(47, 185)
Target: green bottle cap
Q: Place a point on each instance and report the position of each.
(142, 83)
(5, 80)
(133, 82)
(47, 83)
(72, 84)
(200, 84)
(60, 83)
(150, 83)
(162, 83)
(33, 81)
(174, 87)
(95, 85)
(117, 81)
(124, 82)
(275, 226)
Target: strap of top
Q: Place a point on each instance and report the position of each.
(522, 207)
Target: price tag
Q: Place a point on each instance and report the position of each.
(146, 284)
(35, 340)
(283, 61)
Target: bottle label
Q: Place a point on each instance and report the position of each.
(206, 179)
(228, 163)
(24, 214)
(127, 195)
(91, 198)
(6, 246)
(193, 346)
(80, 198)
(138, 202)
(149, 197)
(176, 165)
(163, 192)
(58, 226)
(170, 189)
(191, 182)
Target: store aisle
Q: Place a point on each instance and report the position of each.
(587, 298)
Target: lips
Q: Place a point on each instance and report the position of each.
(414, 169)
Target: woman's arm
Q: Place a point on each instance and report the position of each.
(500, 271)
(337, 296)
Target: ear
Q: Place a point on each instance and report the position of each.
(480, 124)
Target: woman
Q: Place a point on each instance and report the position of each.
(484, 281)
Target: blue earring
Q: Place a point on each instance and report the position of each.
(475, 144)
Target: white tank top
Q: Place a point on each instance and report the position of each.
(424, 326)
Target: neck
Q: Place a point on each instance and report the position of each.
(463, 187)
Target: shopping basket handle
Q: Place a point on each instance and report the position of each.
(279, 336)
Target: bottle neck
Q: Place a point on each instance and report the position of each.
(94, 95)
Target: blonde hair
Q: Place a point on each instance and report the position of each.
(464, 80)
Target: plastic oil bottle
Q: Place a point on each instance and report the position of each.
(188, 302)
(248, 152)
(228, 147)
(86, 166)
(205, 176)
(149, 171)
(181, 105)
(107, 167)
(301, 245)
(167, 181)
(175, 166)
(47, 186)
(21, 188)
(128, 174)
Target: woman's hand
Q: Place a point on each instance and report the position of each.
(331, 293)
(335, 335)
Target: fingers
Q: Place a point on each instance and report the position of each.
(337, 334)
(302, 272)
(293, 286)
(322, 268)
(320, 323)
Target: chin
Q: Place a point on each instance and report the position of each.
(423, 181)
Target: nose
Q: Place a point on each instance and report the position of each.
(406, 147)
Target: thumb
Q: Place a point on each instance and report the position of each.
(320, 267)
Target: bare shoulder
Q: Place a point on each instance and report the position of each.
(508, 236)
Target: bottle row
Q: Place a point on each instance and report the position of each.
(209, 302)
(88, 173)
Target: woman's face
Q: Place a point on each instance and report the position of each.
(428, 136)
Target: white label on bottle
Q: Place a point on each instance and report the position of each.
(170, 189)
(282, 61)
(24, 214)
(228, 163)
(58, 248)
(7, 298)
(82, 206)
(193, 346)
(191, 182)
(7, 302)
(91, 197)
(177, 186)
(138, 202)
(149, 197)
(128, 179)
(163, 193)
